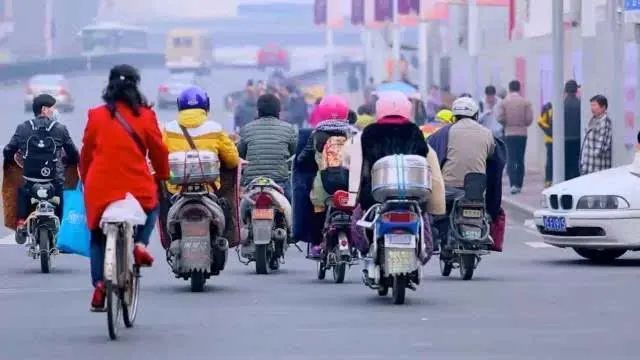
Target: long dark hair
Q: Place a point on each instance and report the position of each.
(123, 87)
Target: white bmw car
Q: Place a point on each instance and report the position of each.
(598, 215)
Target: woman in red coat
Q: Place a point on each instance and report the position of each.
(113, 163)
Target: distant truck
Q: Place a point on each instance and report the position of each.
(189, 50)
(273, 56)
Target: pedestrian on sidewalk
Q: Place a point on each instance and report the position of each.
(488, 109)
(572, 126)
(545, 122)
(596, 148)
(515, 113)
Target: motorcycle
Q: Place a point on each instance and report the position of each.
(195, 224)
(265, 230)
(43, 225)
(467, 238)
(196, 220)
(400, 184)
(339, 251)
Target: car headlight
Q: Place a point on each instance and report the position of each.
(602, 202)
(544, 202)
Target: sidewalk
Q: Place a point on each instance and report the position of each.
(528, 200)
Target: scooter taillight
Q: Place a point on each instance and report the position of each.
(263, 201)
(399, 217)
(341, 200)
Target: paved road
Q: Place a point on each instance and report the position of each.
(532, 302)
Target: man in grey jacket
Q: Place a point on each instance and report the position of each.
(267, 143)
(515, 113)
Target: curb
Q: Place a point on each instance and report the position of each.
(528, 209)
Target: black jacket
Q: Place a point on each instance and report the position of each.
(60, 135)
(380, 140)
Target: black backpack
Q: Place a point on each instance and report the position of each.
(40, 158)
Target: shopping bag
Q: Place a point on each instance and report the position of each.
(498, 227)
(74, 236)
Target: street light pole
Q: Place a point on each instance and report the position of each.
(472, 38)
(558, 92)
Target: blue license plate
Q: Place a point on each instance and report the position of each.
(554, 223)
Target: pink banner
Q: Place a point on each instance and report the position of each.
(357, 12)
(408, 11)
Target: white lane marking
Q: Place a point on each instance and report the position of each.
(530, 224)
(538, 245)
(8, 240)
(15, 291)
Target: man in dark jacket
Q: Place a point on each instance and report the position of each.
(267, 143)
(46, 117)
(572, 129)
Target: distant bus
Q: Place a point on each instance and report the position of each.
(109, 38)
(189, 50)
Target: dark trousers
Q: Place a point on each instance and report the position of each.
(99, 242)
(24, 200)
(571, 158)
(516, 146)
(548, 168)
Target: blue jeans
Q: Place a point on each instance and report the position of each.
(99, 241)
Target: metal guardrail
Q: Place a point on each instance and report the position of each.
(65, 65)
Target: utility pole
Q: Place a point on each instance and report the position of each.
(396, 40)
(48, 28)
(472, 45)
(330, 51)
(620, 153)
(423, 31)
(558, 92)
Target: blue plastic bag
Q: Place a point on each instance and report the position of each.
(74, 236)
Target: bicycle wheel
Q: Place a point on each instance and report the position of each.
(114, 305)
(45, 253)
(113, 267)
(130, 309)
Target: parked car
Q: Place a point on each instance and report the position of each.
(597, 214)
(55, 85)
(273, 55)
(169, 90)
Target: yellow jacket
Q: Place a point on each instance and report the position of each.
(545, 122)
(206, 135)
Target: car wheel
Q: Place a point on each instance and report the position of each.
(600, 256)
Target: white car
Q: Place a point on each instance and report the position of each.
(598, 215)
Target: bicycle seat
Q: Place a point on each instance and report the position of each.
(126, 210)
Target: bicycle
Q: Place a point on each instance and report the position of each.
(121, 274)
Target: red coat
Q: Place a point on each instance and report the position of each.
(111, 163)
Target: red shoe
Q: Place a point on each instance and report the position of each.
(142, 256)
(99, 295)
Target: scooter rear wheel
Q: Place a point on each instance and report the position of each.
(467, 266)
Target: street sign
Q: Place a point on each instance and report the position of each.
(632, 11)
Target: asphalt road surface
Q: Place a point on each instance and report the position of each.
(531, 302)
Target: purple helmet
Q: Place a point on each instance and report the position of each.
(193, 98)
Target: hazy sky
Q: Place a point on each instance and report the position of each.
(275, 1)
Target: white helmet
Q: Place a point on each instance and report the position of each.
(465, 107)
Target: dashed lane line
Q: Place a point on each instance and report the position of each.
(538, 244)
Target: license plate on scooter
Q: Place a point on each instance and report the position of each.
(262, 214)
(399, 239)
